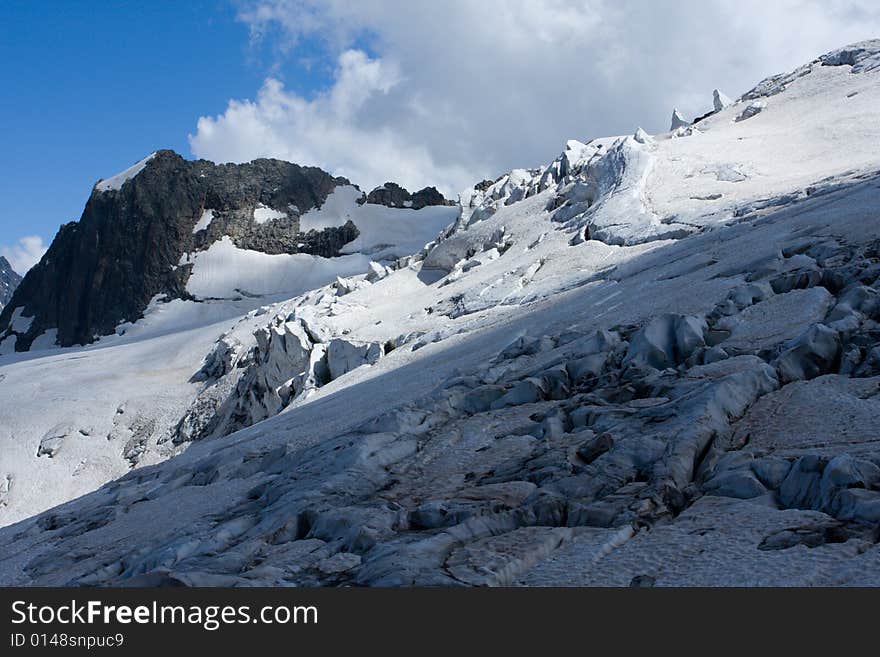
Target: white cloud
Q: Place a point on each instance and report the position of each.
(330, 130)
(25, 253)
(458, 90)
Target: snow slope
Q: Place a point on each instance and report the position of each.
(225, 270)
(117, 181)
(585, 379)
(204, 221)
(385, 233)
(116, 404)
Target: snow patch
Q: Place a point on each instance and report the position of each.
(117, 181)
(226, 271)
(46, 340)
(264, 214)
(20, 324)
(336, 210)
(384, 233)
(204, 221)
(7, 346)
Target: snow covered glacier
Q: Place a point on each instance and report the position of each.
(654, 361)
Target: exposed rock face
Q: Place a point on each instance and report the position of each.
(9, 280)
(105, 268)
(393, 195)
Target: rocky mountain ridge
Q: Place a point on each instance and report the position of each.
(393, 195)
(137, 229)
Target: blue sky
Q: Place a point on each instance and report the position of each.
(91, 87)
(419, 92)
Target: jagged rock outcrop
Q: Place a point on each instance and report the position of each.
(393, 195)
(9, 280)
(105, 268)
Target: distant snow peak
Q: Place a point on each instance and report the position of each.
(117, 181)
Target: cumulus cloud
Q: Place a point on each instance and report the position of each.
(455, 91)
(25, 253)
(332, 130)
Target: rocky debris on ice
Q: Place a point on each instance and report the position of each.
(340, 562)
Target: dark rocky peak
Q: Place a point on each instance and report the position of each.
(275, 184)
(136, 226)
(393, 195)
(429, 196)
(9, 280)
